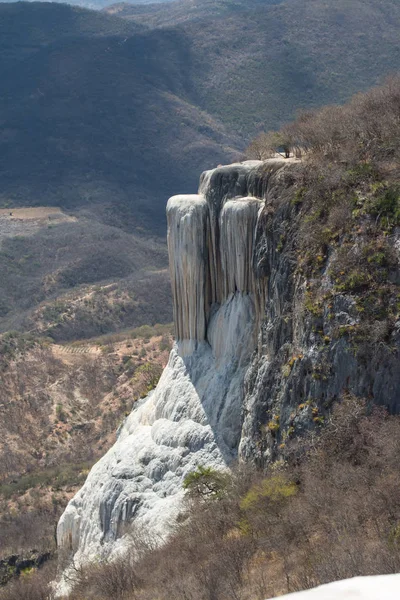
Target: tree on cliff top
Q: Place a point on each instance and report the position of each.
(266, 145)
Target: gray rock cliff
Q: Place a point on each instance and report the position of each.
(251, 367)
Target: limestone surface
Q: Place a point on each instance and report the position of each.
(193, 417)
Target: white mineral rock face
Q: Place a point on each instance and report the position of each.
(382, 587)
(187, 230)
(193, 417)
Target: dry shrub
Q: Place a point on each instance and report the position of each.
(365, 129)
(34, 529)
(117, 579)
(266, 145)
(348, 498)
(349, 171)
(260, 148)
(330, 511)
(33, 585)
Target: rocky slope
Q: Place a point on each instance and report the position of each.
(72, 277)
(314, 346)
(258, 358)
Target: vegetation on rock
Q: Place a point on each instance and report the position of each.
(346, 192)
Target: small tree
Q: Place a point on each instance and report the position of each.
(266, 145)
(260, 148)
(205, 483)
(280, 142)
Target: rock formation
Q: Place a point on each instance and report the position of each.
(193, 417)
(247, 352)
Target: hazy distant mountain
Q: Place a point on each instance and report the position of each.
(257, 61)
(98, 109)
(98, 4)
(182, 11)
(124, 111)
(96, 117)
(107, 116)
(117, 111)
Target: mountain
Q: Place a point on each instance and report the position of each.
(183, 11)
(258, 62)
(98, 110)
(103, 116)
(97, 119)
(98, 4)
(91, 102)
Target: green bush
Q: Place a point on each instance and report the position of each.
(60, 413)
(385, 206)
(273, 489)
(206, 483)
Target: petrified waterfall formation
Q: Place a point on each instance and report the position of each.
(235, 282)
(211, 257)
(193, 417)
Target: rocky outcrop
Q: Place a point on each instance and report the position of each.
(306, 360)
(193, 417)
(252, 364)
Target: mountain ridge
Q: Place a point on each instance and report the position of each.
(96, 89)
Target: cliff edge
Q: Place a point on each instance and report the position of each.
(268, 337)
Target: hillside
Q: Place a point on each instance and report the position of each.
(90, 105)
(257, 62)
(83, 109)
(182, 11)
(105, 117)
(70, 277)
(300, 302)
(98, 4)
(265, 461)
(60, 406)
(83, 128)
